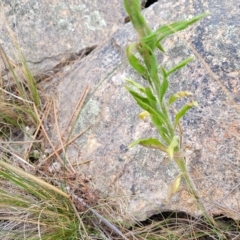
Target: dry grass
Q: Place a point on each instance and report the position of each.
(41, 196)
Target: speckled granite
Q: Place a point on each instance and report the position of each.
(211, 131)
(50, 32)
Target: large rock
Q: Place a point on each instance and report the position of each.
(211, 131)
(54, 32)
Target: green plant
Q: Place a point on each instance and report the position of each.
(152, 97)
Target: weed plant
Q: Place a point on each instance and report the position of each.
(152, 97)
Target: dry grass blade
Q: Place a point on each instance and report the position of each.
(16, 156)
(45, 111)
(33, 178)
(51, 144)
(65, 145)
(62, 146)
(76, 111)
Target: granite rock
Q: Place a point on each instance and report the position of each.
(211, 131)
(51, 33)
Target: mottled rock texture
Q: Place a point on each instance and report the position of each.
(53, 32)
(211, 131)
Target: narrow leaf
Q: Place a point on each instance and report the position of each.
(133, 8)
(164, 85)
(135, 63)
(149, 143)
(173, 188)
(152, 99)
(183, 111)
(180, 65)
(160, 47)
(149, 94)
(178, 95)
(174, 143)
(169, 29)
(146, 104)
(164, 133)
(133, 83)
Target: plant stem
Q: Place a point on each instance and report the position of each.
(181, 162)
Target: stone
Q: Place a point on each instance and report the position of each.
(51, 33)
(139, 175)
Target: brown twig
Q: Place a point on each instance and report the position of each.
(76, 109)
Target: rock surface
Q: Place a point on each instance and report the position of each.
(211, 131)
(53, 32)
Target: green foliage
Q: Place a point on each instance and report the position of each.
(150, 143)
(153, 98)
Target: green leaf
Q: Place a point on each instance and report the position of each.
(183, 111)
(149, 94)
(172, 146)
(143, 100)
(138, 97)
(149, 143)
(133, 83)
(180, 65)
(146, 50)
(169, 29)
(156, 121)
(147, 105)
(150, 60)
(160, 47)
(162, 129)
(163, 132)
(178, 95)
(135, 63)
(152, 99)
(164, 85)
